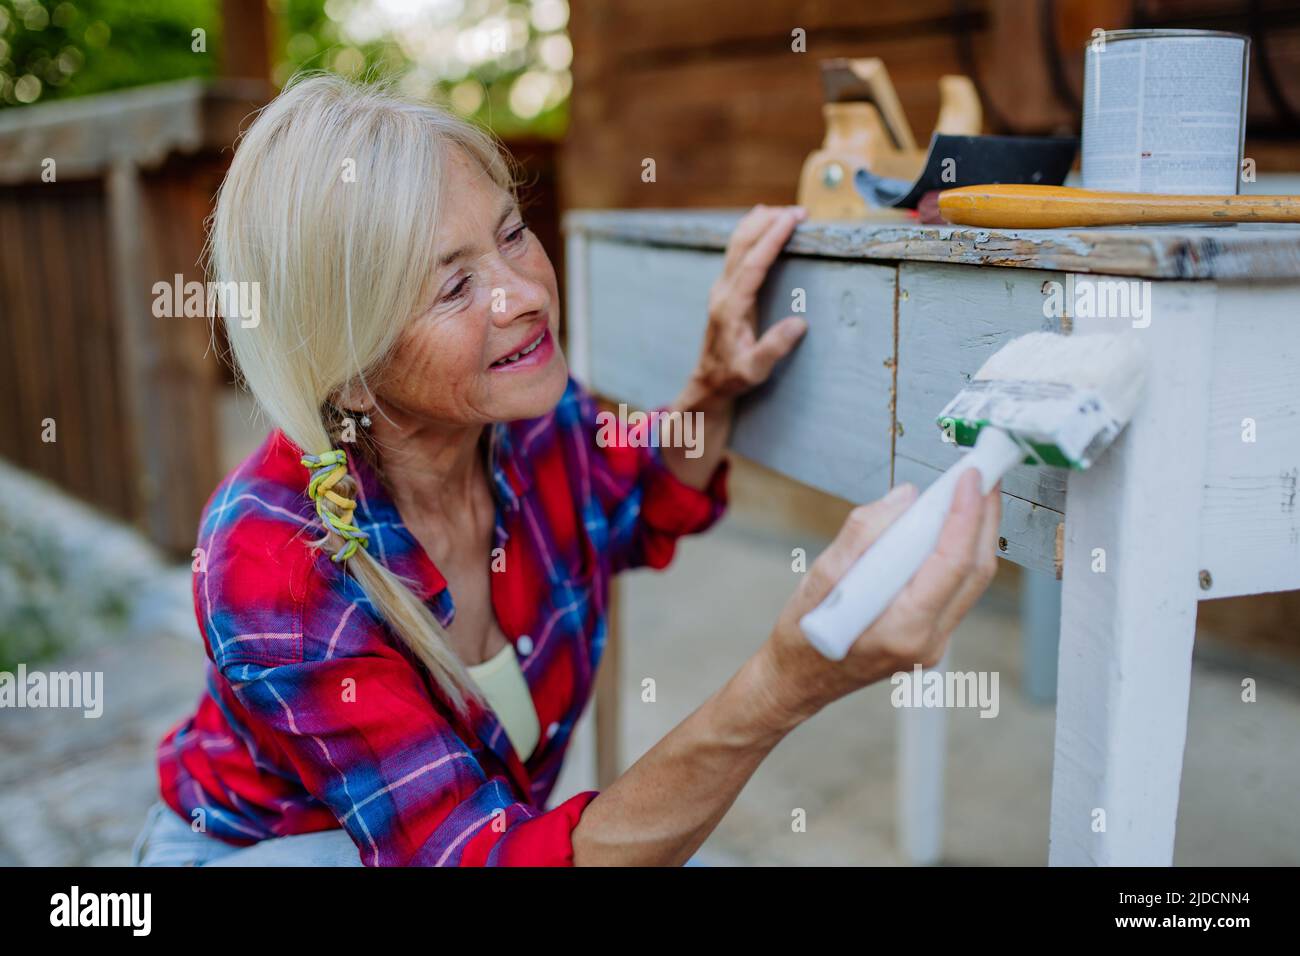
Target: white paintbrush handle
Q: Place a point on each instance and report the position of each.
(874, 580)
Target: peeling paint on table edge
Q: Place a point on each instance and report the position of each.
(1220, 253)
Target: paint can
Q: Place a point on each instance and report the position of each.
(1164, 111)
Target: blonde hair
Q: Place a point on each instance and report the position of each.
(330, 205)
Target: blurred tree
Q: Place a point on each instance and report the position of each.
(503, 62)
(52, 50)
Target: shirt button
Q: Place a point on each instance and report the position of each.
(524, 645)
(552, 730)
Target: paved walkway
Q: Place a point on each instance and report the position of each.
(74, 790)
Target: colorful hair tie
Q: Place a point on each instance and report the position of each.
(327, 471)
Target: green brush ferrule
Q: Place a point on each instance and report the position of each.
(963, 431)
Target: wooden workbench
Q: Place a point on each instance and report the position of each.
(1196, 500)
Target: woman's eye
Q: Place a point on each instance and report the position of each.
(517, 233)
(458, 289)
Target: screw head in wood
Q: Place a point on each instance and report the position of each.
(832, 175)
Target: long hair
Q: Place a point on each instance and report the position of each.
(331, 206)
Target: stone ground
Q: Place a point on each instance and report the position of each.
(75, 790)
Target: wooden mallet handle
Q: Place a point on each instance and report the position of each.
(1052, 207)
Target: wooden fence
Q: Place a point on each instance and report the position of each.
(99, 199)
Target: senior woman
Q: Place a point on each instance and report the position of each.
(403, 592)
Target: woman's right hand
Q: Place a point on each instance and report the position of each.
(665, 805)
(915, 627)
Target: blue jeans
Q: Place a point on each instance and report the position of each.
(168, 840)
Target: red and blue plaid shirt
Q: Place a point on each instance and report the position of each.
(317, 716)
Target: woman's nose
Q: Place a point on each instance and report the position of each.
(515, 296)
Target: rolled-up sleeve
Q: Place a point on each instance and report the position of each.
(367, 741)
(647, 507)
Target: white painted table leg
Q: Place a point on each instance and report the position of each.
(1040, 633)
(922, 753)
(1126, 631)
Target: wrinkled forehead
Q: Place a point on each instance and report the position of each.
(471, 205)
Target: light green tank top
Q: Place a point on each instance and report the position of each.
(503, 685)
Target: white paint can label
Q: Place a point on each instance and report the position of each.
(1164, 111)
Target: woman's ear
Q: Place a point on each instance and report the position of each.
(354, 398)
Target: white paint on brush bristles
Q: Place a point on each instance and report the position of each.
(1072, 392)
(1111, 364)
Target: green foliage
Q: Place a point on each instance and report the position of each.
(48, 601)
(502, 62)
(53, 49)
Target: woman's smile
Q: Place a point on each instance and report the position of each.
(536, 353)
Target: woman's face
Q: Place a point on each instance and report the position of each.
(484, 349)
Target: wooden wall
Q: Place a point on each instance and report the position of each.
(714, 94)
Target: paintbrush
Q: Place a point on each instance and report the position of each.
(1042, 399)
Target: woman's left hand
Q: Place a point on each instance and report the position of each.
(734, 357)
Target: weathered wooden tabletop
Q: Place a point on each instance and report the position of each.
(1220, 252)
